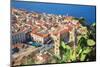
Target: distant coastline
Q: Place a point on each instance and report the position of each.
(88, 12)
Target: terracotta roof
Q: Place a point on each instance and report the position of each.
(39, 34)
(42, 35)
(62, 31)
(46, 56)
(16, 45)
(21, 31)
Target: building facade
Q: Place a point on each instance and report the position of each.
(18, 37)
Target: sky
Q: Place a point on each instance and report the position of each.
(87, 12)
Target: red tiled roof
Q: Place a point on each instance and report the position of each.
(39, 34)
(62, 31)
